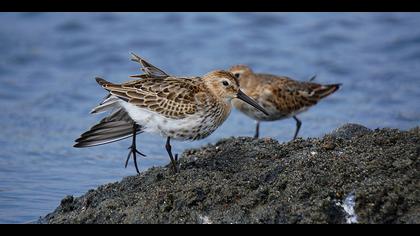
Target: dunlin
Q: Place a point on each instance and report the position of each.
(281, 96)
(180, 108)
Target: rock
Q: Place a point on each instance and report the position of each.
(350, 130)
(354, 175)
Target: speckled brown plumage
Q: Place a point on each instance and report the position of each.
(281, 96)
(172, 97)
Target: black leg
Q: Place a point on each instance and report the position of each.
(257, 130)
(312, 78)
(173, 160)
(133, 150)
(298, 124)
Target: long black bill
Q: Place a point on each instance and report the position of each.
(251, 102)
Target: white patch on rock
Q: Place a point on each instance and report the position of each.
(348, 207)
(205, 220)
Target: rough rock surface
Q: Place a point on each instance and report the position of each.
(353, 175)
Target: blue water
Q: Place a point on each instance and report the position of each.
(48, 62)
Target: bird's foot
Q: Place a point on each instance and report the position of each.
(175, 165)
(133, 151)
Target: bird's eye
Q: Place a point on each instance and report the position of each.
(236, 75)
(225, 83)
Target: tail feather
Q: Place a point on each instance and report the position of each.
(112, 128)
(105, 135)
(326, 90)
(89, 139)
(108, 103)
(93, 143)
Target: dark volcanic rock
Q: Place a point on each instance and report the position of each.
(349, 131)
(351, 175)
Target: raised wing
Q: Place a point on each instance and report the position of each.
(149, 69)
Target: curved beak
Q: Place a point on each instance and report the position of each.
(241, 95)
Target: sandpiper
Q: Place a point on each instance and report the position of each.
(281, 96)
(180, 108)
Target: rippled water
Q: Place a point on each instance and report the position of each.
(48, 62)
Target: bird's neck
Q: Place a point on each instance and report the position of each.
(218, 106)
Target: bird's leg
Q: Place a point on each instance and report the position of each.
(298, 124)
(257, 130)
(173, 160)
(312, 78)
(133, 149)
